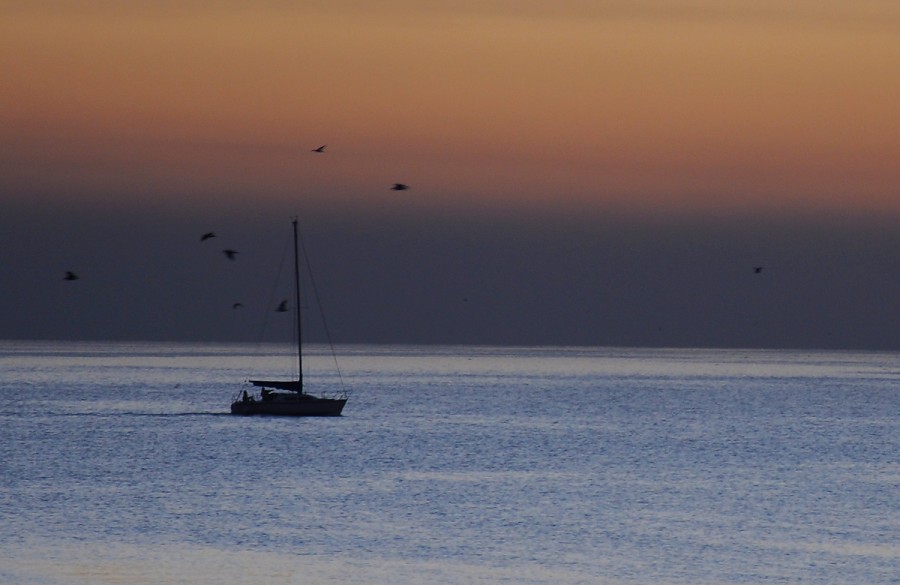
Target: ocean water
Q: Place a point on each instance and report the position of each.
(451, 465)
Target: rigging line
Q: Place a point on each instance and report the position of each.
(315, 289)
(270, 302)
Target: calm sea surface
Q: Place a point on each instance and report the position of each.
(120, 465)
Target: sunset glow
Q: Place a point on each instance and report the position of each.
(693, 104)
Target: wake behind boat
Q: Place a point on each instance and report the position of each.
(287, 397)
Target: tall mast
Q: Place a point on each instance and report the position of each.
(297, 304)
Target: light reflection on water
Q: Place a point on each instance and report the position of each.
(451, 465)
(188, 564)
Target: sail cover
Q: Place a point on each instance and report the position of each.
(292, 385)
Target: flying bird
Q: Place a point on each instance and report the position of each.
(282, 307)
(237, 306)
(321, 149)
(207, 236)
(757, 269)
(230, 253)
(399, 187)
(70, 275)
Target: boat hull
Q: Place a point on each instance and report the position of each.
(303, 405)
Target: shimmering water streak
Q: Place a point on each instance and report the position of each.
(451, 465)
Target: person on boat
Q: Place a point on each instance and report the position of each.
(246, 397)
(266, 394)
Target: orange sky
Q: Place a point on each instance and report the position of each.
(651, 105)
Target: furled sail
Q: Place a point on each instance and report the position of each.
(292, 385)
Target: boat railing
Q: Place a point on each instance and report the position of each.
(239, 395)
(342, 394)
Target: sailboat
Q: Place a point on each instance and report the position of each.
(288, 397)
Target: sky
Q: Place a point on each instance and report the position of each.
(581, 172)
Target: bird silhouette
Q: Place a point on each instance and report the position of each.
(321, 149)
(399, 187)
(757, 269)
(282, 307)
(237, 306)
(70, 275)
(207, 236)
(232, 254)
